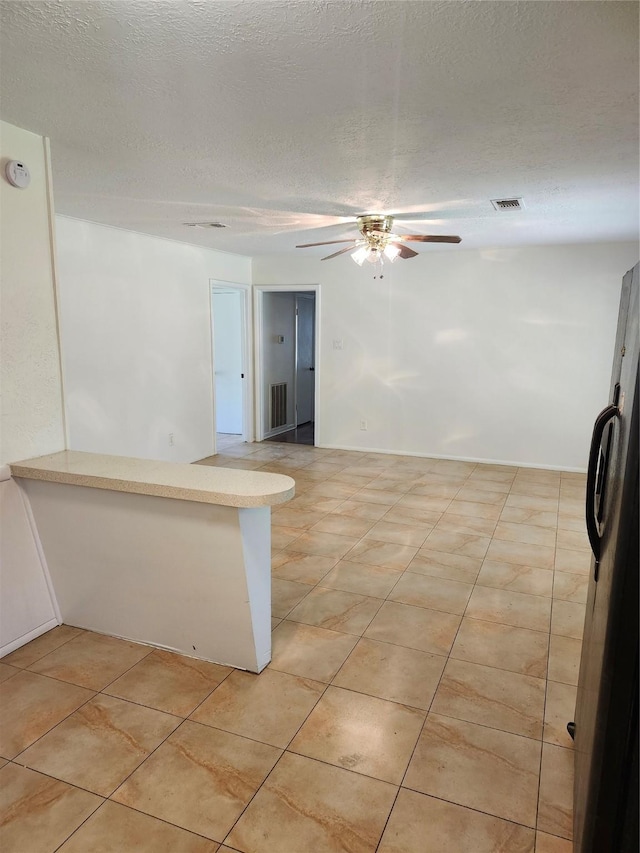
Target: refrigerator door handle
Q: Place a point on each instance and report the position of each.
(594, 453)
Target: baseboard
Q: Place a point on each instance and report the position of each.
(26, 638)
(454, 458)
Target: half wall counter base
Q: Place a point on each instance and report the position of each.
(189, 575)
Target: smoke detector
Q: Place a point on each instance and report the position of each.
(507, 203)
(205, 224)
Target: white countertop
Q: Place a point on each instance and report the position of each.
(201, 483)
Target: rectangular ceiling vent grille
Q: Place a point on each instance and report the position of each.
(507, 203)
(205, 224)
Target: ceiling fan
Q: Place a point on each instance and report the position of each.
(378, 243)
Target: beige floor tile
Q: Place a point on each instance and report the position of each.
(422, 824)
(564, 659)
(491, 697)
(555, 809)
(286, 594)
(382, 554)
(453, 467)
(559, 710)
(99, 745)
(315, 503)
(169, 682)
(309, 652)
(470, 494)
(308, 806)
(552, 844)
(345, 525)
(537, 556)
(302, 568)
(374, 581)
(41, 646)
(537, 518)
(31, 705)
(91, 660)
(334, 490)
(498, 473)
(567, 619)
(7, 671)
(298, 518)
(532, 502)
(570, 522)
(510, 608)
(414, 627)
(444, 491)
(489, 770)
(488, 486)
(533, 489)
(439, 564)
(275, 622)
(573, 540)
(525, 534)
(574, 562)
(492, 644)
(283, 536)
(38, 813)
(571, 506)
(432, 593)
(517, 578)
(200, 779)
(424, 502)
(269, 707)
(475, 509)
(324, 544)
(571, 587)
(376, 496)
(336, 610)
(450, 523)
(392, 672)
(117, 829)
(411, 515)
(361, 733)
(401, 534)
(361, 509)
(466, 544)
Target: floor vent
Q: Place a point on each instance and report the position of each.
(507, 203)
(278, 405)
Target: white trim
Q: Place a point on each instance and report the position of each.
(41, 556)
(56, 286)
(421, 455)
(258, 291)
(26, 638)
(246, 307)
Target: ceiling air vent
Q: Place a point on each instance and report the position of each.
(507, 203)
(205, 224)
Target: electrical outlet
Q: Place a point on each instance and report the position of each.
(363, 425)
(337, 343)
(171, 441)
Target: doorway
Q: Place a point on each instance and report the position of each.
(287, 343)
(230, 320)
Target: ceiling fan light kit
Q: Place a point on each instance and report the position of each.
(378, 243)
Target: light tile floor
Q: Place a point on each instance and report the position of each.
(427, 630)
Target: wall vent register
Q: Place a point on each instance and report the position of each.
(507, 203)
(277, 405)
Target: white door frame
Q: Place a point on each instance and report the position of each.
(246, 312)
(258, 291)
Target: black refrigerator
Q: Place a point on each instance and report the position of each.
(606, 720)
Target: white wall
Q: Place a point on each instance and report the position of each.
(500, 355)
(31, 402)
(278, 359)
(135, 323)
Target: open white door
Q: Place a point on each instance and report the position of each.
(305, 361)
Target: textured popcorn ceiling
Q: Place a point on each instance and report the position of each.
(279, 118)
